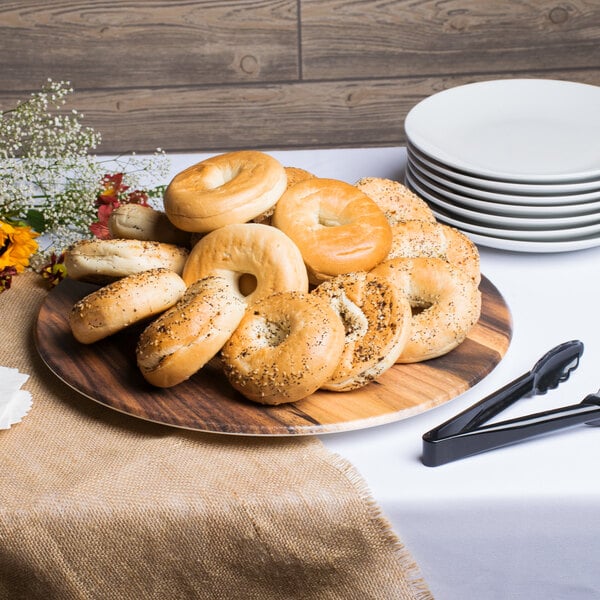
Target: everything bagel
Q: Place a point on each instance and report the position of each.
(126, 301)
(396, 201)
(286, 346)
(446, 303)
(412, 239)
(377, 320)
(184, 338)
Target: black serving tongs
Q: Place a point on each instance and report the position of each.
(465, 434)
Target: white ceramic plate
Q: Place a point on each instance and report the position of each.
(587, 210)
(534, 247)
(519, 193)
(546, 222)
(523, 130)
(570, 233)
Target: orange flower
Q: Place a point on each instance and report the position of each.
(17, 244)
(113, 188)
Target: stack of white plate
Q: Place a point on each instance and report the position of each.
(515, 163)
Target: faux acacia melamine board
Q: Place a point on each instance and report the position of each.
(159, 43)
(360, 38)
(106, 372)
(329, 114)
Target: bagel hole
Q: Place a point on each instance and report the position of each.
(417, 309)
(219, 177)
(329, 221)
(247, 283)
(355, 322)
(328, 218)
(276, 332)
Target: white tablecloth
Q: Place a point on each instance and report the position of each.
(516, 522)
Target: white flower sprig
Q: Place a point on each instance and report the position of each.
(49, 178)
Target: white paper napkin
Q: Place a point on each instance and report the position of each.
(14, 402)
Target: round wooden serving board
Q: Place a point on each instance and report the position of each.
(107, 373)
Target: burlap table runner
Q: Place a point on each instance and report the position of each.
(96, 504)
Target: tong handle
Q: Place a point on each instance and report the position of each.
(438, 451)
(550, 370)
(485, 409)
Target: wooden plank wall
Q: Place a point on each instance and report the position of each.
(212, 75)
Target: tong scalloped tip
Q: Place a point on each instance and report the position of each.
(465, 434)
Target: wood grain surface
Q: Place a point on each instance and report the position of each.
(106, 372)
(213, 76)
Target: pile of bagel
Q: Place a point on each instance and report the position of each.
(289, 282)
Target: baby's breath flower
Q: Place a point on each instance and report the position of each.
(49, 178)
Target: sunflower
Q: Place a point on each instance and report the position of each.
(17, 244)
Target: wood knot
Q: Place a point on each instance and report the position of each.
(558, 15)
(354, 98)
(249, 64)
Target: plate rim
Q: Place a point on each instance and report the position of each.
(495, 232)
(536, 222)
(514, 191)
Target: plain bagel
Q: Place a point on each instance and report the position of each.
(337, 228)
(103, 261)
(258, 260)
(234, 187)
(446, 304)
(138, 222)
(187, 336)
(124, 302)
(286, 346)
(377, 320)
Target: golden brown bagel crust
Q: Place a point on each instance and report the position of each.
(106, 260)
(249, 249)
(396, 201)
(138, 222)
(337, 227)
(446, 303)
(294, 175)
(187, 336)
(234, 187)
(286, 346)
(124, 302)
(412, 239)
(377, 319)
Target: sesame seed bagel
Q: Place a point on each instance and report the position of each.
(296, 174)
(124, 302)
(187, 336)
(396, 201)
(377, 320)
(138, 222)
(446, 304)
(103, 261)
(258, 260)
(412, 239)
(285, 348)
(234, 187)
(337, 228)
